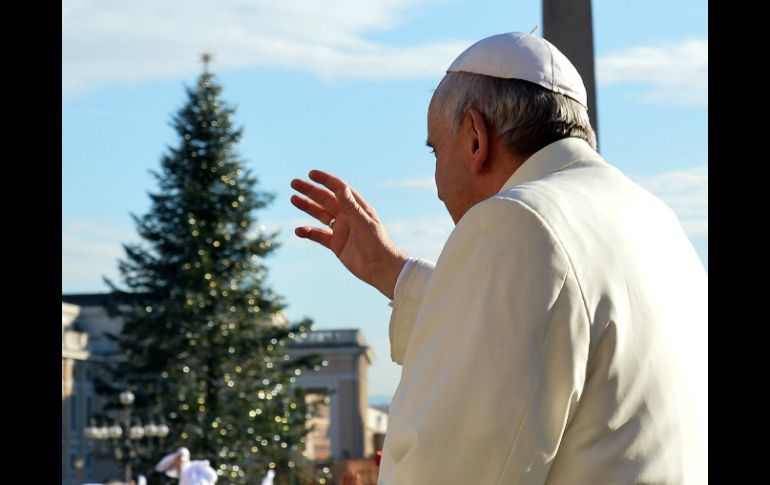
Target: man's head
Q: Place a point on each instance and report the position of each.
(502, 100)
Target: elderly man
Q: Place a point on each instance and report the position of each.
(561, 336)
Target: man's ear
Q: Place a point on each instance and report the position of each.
(478, 141)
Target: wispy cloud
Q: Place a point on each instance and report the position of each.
(686, 192)
(107, 41)
(91, 250)
(676, 73)
(421, 237)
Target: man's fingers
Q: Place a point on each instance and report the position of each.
(342, 191)
(335, 184)
(311, 208)
(321, 236)
(319, 195)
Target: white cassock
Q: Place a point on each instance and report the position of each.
(197, 472)
(560, 339)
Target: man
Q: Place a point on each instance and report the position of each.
(178, 465)
(561, 336)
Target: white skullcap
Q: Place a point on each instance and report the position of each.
(517, 55)
(165, 464)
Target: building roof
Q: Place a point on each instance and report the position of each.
(91, 299)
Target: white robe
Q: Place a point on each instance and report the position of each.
(560, 339)
(268, 480)
(197, 472)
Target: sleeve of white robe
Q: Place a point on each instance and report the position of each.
(496, 359)
(409, 291)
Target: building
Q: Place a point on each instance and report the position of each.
(345, 428)
(82, 355)
(348, 359)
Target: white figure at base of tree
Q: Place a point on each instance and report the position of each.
(195, 472)
(268, 480)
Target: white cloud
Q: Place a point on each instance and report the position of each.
(108, 41)
(677, 73)
(89, 251)
(111, 41)
(686, 192)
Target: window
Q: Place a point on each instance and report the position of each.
(74, 412)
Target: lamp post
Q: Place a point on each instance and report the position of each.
(128, 436)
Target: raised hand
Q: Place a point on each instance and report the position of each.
(356, 235)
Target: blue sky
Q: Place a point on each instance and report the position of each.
(344, 86)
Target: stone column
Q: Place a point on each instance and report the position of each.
(568, 25)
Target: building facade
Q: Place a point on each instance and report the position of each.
(81, 359)
(342, 428)
(345, 378)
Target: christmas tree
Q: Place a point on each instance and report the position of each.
(204, 342)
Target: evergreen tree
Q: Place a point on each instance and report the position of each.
(204, 343)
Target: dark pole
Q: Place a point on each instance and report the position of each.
(125, 439)
(127, 443)
(568, 25)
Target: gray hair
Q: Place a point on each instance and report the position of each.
(527, 116)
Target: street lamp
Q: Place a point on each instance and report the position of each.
(129, 437)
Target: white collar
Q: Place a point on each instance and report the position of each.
(551, 158)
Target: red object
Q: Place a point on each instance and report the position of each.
(378, 457)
